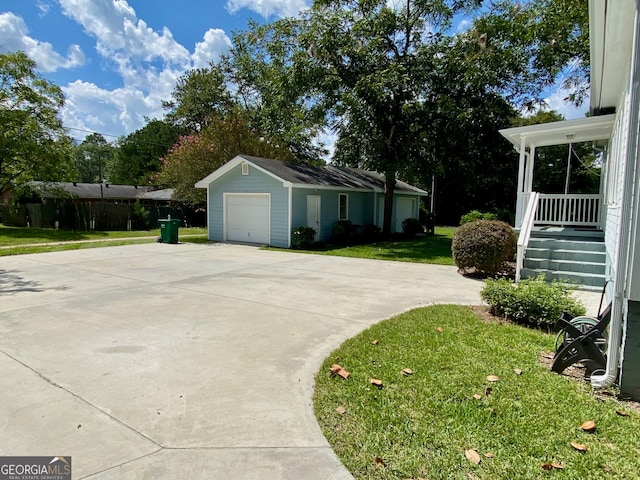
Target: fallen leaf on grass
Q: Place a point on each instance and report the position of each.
(472, 456)
(517, 371)
(489, 455)
(380, 462)
(551, 466)
(621, 413)
(341, 410)
(374, 342)
(579, 446)
(477, 396)
(376, 382)
(608, 469)
(407, 371)
(588, 426)
(440, 329)
(338, 370)
(493, 378)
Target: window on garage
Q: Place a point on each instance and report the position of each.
(343, 206)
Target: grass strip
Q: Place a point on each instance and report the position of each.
(433, 249)
(18, 235)
(419, 425)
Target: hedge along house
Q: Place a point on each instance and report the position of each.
(614, 213)
(260, 200)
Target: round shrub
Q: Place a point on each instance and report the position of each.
(484, 245)
(302, 238)
(411, 227)
(533, 301)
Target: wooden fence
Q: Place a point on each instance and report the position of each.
(100, 216)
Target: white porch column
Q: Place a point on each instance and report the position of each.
(531, 160)
(520, 191)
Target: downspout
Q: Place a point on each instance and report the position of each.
(630, 172)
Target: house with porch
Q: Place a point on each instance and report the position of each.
(592, 239)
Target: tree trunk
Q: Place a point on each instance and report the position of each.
(389, 187)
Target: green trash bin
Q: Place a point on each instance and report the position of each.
(169, 229)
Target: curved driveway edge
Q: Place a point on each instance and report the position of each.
(188, 361)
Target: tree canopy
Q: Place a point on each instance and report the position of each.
(138, 154)
(33, 142)
(93, 159)
(197, 155)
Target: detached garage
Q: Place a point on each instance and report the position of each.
(260, 201)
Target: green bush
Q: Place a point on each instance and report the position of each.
(484, 245)
(474, 215)
(532, 301)
(302, 238)
(411, 227)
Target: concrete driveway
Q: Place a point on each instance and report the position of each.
(187, 361)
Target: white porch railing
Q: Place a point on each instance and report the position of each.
(525, 231)
(576, 210)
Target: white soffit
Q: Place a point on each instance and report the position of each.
(611, 40)
(560, 133)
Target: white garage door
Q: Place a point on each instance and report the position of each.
(247, 217)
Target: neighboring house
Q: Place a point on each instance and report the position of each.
(610, 218)
(260, 200)
(100, 192)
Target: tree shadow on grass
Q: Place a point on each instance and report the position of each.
(25, 235)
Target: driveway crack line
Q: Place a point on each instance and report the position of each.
(79, 397)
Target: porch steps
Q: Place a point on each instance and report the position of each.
(567, 255)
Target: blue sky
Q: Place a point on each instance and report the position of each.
(116, 60)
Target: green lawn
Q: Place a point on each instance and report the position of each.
(420, 425)
(18, 239)
(435, 249)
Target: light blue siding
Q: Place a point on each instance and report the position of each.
(256, 182)
(360, 208)
(394, 217)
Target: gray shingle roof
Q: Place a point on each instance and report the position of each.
(305, 174)
(327, 176)
(94, 191)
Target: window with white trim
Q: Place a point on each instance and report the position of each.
(343, 206)
(245, 168)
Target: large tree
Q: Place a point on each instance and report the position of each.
(376, 66)
(138, 155)
(409, 95)
(33, 142)
(268, 71)
(94, 159)
(199, 95)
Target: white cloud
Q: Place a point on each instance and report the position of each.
(148, 61)
(267, 8)
(556, 102)
(119, 33)
(43, 7)
(215, 42)
(14, 35)
(89, 107)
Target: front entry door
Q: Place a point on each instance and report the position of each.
(313, 214)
